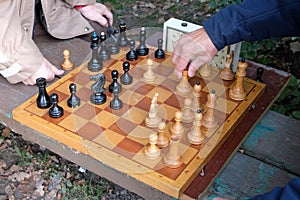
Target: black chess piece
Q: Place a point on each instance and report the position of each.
(116, 103)
(95, 64)
(122, 39)
(98, 97)
(142, 49)
(73, 101)
(114, 48)
(55, 111)
(159, 53)
(132, 55)
(103, 53)
(259, 74)
(126, 78)
(115, 84)
(43, 99)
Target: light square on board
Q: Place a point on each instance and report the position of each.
(105, 119)
(32, 108)
(140, 157)
(167, 112)
(163, 94)
(135, 115)
(219, 89)
(141, 134)
(225, 106)
(73, 123)
(109, 139)
(130, 97)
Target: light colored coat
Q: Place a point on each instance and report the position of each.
(19, 55)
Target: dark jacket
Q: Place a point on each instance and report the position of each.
(254, 20)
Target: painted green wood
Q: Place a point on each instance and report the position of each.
(276, 140)
(246, 177)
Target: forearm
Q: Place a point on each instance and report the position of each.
(19, 56)
(254, 20)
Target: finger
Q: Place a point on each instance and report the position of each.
(194, 66)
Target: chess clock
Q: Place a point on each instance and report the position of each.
(174, 28)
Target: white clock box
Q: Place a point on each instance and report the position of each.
(174, 28)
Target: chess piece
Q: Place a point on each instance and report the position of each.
(149, 76)
(113, 42)
(195, 136)
(103, 53)
(173, 159)
(122, 39)
(95, 64)
(116, 103)
(132, 55)
(55, 111)
(98, 97)
(187, 113)
(237, 92)
(259, 74)
(226, 73)
(142, 49)
(152, 151)
(126, 78)
(153, 118)
(184, 88)
(73, 101)
(177, 129)
(196, 97)
(43, 99)
(67, 64)
(209, 122)
(205, 70)
(159, 53)
(162, 140)
(115, 84)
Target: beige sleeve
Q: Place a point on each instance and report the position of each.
(19, 55)
(73, 3)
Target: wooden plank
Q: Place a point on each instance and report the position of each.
(276, 140)
(245, 177)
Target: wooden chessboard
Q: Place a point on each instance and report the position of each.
(117, 138)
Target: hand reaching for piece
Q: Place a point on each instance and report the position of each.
(47, 70)
(99, 13)
(195, 47)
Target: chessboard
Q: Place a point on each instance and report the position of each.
(118, 138)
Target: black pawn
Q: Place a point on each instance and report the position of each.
(142, 49)
(132, 55)
(115, 84)
(126, 78)
(114, 48)
(259, 74)
(159, 53)
(104, 53)
(43, 99)
(73, 101)
(122, 40)
(116, 103)
(95, 64)
(55, 111)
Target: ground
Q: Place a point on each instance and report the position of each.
(28, 171)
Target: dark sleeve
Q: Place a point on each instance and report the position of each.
(254, 20)
(290, 192)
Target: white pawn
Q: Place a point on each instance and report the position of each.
(163, 140)
(153, 117)
(177, 129)
(152, 151)
(149, 75)
(205, 70)
(195, 136)
(187, 113)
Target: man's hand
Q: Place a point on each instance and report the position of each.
(99, 13)
(47, 71)
(195, 47)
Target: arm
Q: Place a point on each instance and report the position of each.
(20, 58)
(251, 20)
(254, 20)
